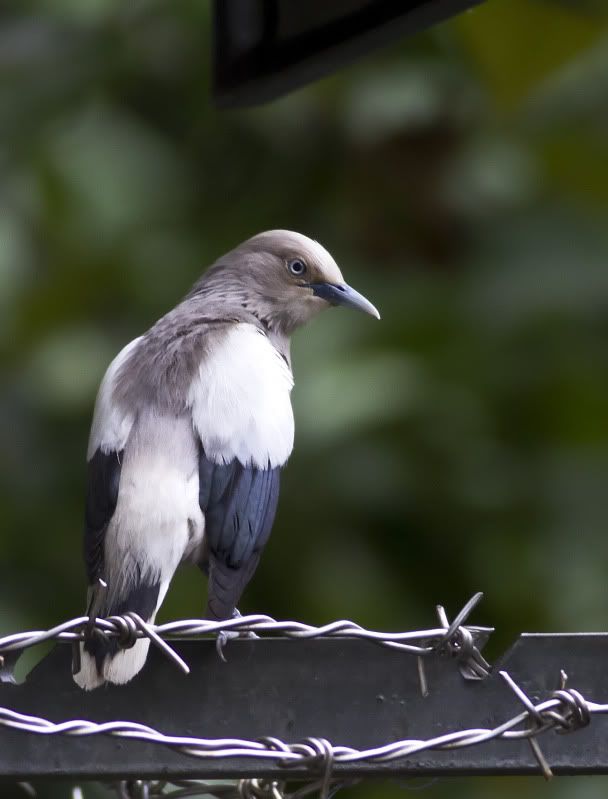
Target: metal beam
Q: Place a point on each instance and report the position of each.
(347, 691)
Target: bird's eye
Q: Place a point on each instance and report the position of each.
(297, 267)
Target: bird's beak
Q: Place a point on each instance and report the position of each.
(341, 294)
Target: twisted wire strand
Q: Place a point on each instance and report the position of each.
(251, 788)
(566, 710)
(455, 638)
(72, 630)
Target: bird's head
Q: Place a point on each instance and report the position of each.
(284, 278)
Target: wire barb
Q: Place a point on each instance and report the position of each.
(537, 723)
(460, 642)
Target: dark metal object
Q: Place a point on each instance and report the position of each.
(266, 48)
(346, 691)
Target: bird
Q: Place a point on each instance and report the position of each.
(192, 425)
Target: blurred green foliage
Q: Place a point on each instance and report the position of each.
(461, 181)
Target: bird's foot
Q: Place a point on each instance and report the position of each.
(229, 635)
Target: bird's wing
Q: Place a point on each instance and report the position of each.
(241, 412)
(109, 432)
(103, 478)
(239, 503)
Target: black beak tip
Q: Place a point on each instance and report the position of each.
(342, 294)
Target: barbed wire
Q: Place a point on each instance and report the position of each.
(454, 638)
(564, 710)
(252, 788)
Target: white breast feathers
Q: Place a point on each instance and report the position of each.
(240, 400)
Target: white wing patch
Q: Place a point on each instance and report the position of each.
(111, 425)
(240, 400)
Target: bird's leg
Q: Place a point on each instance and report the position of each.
(229, 635)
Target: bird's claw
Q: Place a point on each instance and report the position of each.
(229, 635)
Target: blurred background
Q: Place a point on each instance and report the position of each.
(461, 181)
